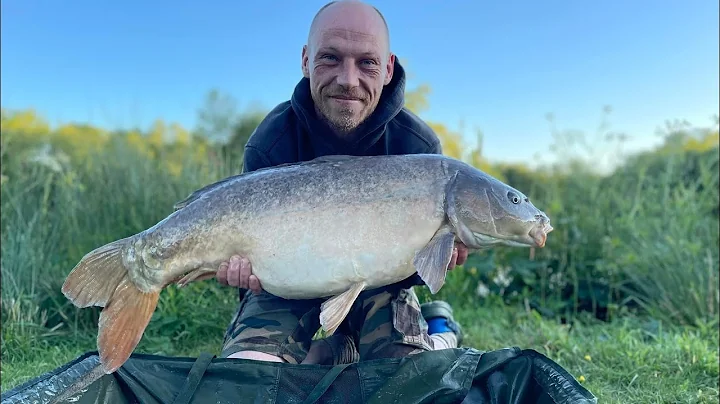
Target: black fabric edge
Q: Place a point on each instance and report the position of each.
(73, 362)
(47, 375)
(569, 380)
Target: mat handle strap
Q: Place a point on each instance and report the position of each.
(193, 378)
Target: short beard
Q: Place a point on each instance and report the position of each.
(344, 125)
(342, 122)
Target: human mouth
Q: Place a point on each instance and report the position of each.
(345, 100)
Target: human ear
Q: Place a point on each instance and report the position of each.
(304, 63)
(390, 68)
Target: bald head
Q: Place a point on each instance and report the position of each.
(349, 13)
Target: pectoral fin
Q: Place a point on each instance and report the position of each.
(432, 261)
(333, 311)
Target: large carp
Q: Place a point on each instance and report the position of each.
(331, 227)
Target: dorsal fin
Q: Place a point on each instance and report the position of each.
(200, 192)
(331, 158)
(318, 160)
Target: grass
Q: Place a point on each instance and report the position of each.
(627, 361)
(637, 248)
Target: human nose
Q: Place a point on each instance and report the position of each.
(348, 76)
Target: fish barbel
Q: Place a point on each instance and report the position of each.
(327, 228)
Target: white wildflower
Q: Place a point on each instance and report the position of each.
(502, 277)
(482, 290)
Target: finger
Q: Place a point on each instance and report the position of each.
(222, 274)
(453, 259)
(245, 272)
(254, 283)
(233, 275)
(462, 255)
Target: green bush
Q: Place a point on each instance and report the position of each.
(644, 237)
(52, 218)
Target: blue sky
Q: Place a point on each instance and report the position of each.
(496, 66)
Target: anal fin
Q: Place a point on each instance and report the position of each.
(334, 310)
(432, 261)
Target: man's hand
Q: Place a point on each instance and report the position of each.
(238, 273)
(459, 256)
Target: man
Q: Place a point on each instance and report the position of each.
(350, 101)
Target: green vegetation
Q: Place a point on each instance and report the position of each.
(625, 295)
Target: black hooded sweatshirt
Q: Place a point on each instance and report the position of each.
(293, 133)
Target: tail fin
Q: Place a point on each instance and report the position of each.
(101, 279)
(123, 322)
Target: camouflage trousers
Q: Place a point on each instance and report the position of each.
(385, 322)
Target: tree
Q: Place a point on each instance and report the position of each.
(234, 149)
(217, 118)
(416, 101)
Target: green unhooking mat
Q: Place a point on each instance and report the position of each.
(462, 375)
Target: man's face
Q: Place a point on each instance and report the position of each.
(348, 64)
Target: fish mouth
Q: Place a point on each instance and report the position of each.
(538, 234)
(535, 237)
(486, 240)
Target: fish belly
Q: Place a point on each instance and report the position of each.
(322, 252)
(309, 231)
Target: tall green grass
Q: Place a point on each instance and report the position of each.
(51, 219)
(644, 238)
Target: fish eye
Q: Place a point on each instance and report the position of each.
(513, 198)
